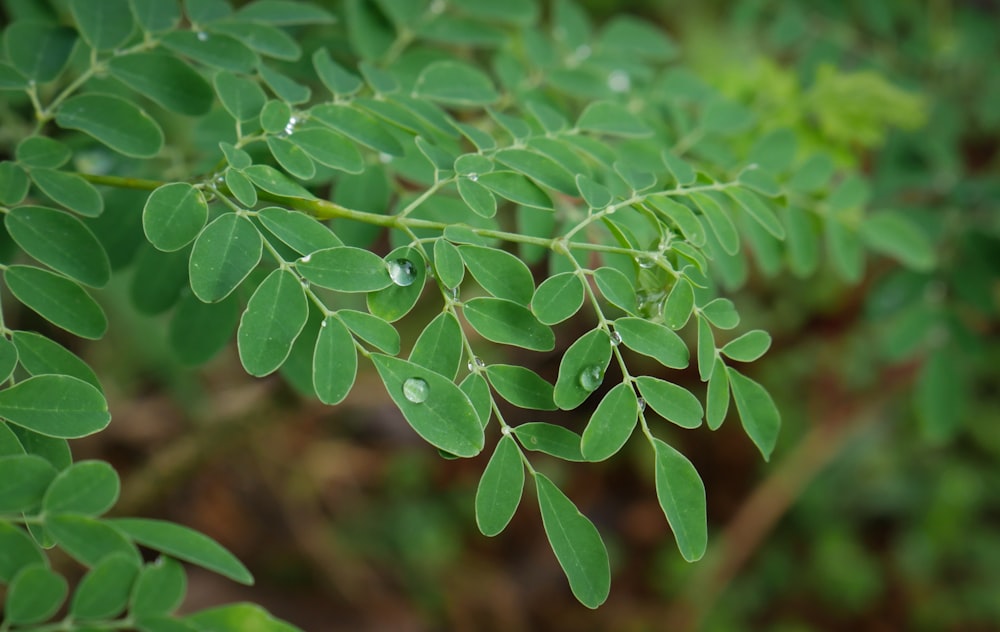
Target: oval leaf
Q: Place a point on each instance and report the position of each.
(117, 123)
(58, 300)
(681, 493)
(55, 406)
(60, 241)
(611, 425)
(345, 269)
(223, 255)
(500, 488)
(274, 316)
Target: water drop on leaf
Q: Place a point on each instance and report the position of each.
(415, 389)
(473, 176)
(616, 338)
(402, 272)
(642, 404)
(591, 377)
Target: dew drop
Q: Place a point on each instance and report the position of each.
(616, 338)
(505, 430)
(402, 272)
(650, 303)
(618, 81)
(645, 262)
(454, 293)
(290, 126)
(416, 390)
(384, 158)
(591, 377)
(476, 363)
(473, 176)
(305, 259)
(323, 324)
(642, 404)
(202, 36)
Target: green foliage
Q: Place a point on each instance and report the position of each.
(476, 138)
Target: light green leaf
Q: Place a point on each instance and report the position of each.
(371, 329)
(748, 347)
(11, 79)
(616, 288)
(436, 409)
(509, 323)
(285, 12)
(539, 168)
(894, 234)
(653, 340)
(613, 119)
(337, 80)
(802, 242)
(40, 355)
(557, 298)
(241, 187)
(174, 215)
(500, 488)
(718, 218)
(69, 190)
(550, 439)
(213, 49)
(184, 544)
(717, 399)
(408, 272)
(345, 269)
(478, 391)
(105, 24)
(682, 217)
(14, 183)
(239, 616)
(448, 263)
(86, 487)
(299, 231)
(159, 589)
(611, 425)
(722, 313)
(516, 188)
(439, 346)
(844, 249)
(480, 199)
(335, 362)
(670, 401)
(631, 37)
(276, 118)
(758, 210)
(774, 151)
(42, 151)
(358, 125)
(269, 179)
(223, 255)
(581, 370)
(455, 83)
(60, 241)
(813, 174)
(38, 50)
(242, 97)
(104, 592)
(55, 406)
(726, 117)
(34, 595)
(706, 349)
(291, 157)
(681, 493)
(595, 194)
(521, 386)
(156, 16)
(23, 481)
(58, 300)
(273, 319)
(88, 540)
(500, 273)
(262, 38)
(117, 123)
(329, 148)
(576, 543)
(760, 417)
(679, 304)
(19, 550)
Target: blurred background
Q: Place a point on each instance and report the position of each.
(879, 509)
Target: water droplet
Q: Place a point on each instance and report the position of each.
(323, 324)
(384, 158)
(618, 81)
(591, 377)
(305, 259)
(505, 430)
(616, 338)
(454, 293)
(202, 36)
(473, 176)
(642, 404)
(290, 127)
(402, 272)
(645, 262)
(415, 390)
(438, 6)
(476, 363)
(650, 303)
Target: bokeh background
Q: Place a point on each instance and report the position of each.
(880, 508)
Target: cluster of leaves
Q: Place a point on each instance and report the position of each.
(490, 145)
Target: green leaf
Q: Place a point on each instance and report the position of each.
(748, 347)
(337, 80)
(174, 215)
(508, 323)
(60, 241)
(371, 329)
(480, 199)
(302, 233)
(722, 313)
(500, 488)
(611, 425)
(240, 616)
(521, 386)
(117, 123)
(516, 188)
(58, 300)
(88, 540)
(359, 126)
(576, 543)
(8, 360)
(722, 225)
(11, 79)
(616, 288)
(550, 439)
(69, 190)
(105, 24)
(455, 83)
(276, 118)
(670, 401)
(269, 179)
(596, 195)
(408, 272)
(726, 118)
(478, 391)
(894, 234)
(86, 487)
(539, 168)
(42, 151)
(335, 362)
(941, 395)
(612, 119)
(681, 216)
(158, 280)
(262, 38)
(14, 183)
(104, 592)
(774, 151)
(23, 481)
(273, 319)
(159, 589)
(184, 544)
(500, 273)
(706, 349)
(223, 255)
(39, 355)
(156, 16)
(199, 330)
(653, 340)
(802, 242)
(557, 298)
(448, 263)
(34, 595)
(631, 37)
(38, 50)
(345, 269)
(19, 551)
(329, 148)
(292, 158)
(758, 210)
(242, 97)
(681, 493)
(436, 409)
(283, 86)
(55, 406)
(812, 175)
(581, 370)
(241, 187)
(439, 346)
(679, 304)
(760, 417)
(845, 250)
(717, 399)
(284, 12)
(213, 49)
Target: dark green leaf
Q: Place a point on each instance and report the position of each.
(40, 355)
(242, 97)
(439, 346)
(894, 234)
(656, 341)
(42, 151)
(371, 329)
(334, 77)
(262, 38)
(174, 215)
(283, 86)
(508, 323)
(156, 16)
(616, 288)
(19, 551)
(550, 439)
(582, 368)
(69, 190)
(706, 349)
(276, 118)
(241, 187)
(557, 298)
(34, 595)
(269, 179)
(88, 540)
(117, 123)
(611, 425)
(722, 313)
(284, 12)
(613, 119)
(329, 148)
(718, 218)
(39, 51)
(670, 401)
(448, 263)
(760, 417)
(105, 24)
(345, 269)
(292, 158)
(358, 125)
(408, 272)
(478, 391)
(223, 255)
(159, 589)
(480, 199)
(455, 83)
(8, 361)
(679, 304)
(213, 49)
(14, 183)
(539, 168)
(86, 487)
(55, 406)
(521, 386)
(596, 195)
(299, 231)
(500, 488)
(60, 241)
(23, 481)
(274, 316)
(104, 592)
(717, 399)
(516, 188)
(681, 493)
(500, 273)
(631, 37)
(199, 330)
(158, 280)
(58, 300)
(335, 362)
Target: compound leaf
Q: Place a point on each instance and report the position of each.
(500, 488)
